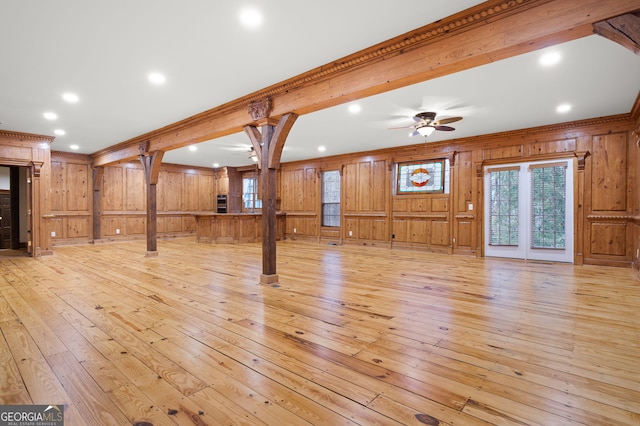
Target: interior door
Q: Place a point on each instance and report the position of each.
(529, 211)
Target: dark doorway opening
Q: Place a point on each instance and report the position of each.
(12, 209)
(5, 219)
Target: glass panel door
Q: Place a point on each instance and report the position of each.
(529, 211)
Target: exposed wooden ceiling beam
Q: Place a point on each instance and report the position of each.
(491, 31)
(623, 29)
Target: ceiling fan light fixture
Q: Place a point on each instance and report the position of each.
(425, 130)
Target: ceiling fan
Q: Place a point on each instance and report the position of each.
(426, 123)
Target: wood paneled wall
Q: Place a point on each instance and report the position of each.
(182, 192)
(634, 178)
(605, 179)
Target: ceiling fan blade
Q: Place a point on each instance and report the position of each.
(447, 120)
(444, 128)
(414, 133)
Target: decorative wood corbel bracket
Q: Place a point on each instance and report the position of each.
(275, 141)
(151, 162)
(37, 168)
(143, 147)
(260, 111)
(582, 156)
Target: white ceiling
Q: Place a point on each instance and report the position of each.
(103, 51)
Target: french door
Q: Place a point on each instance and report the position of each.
(528, 210)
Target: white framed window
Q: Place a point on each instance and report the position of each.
(250, 200)
(331, 198)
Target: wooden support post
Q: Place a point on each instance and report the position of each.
(268, 144)
(268, 211)
(151, 165)
(98, 175)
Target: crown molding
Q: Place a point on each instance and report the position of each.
(7, 134)
(70, 155)
(569, 125)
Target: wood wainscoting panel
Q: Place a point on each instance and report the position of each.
(609, 239)
(418, 231)
(56, 228)
(439, 233)
(609, 175)
(135, 190)
(440, 204)
(78, 179)
(136, 225)
(78, 227)
(400, 233)
(550, 147)
(170, 191)
(501, 152)
(113, 226)
(113, 191)
(464, 234)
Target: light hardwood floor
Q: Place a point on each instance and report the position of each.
(351, 335)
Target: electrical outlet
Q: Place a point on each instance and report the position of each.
(118, 231)
(295, 230)
(470, 207)
(351, 233)
(53, 233)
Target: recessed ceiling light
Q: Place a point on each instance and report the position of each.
(550, 59)
(157, 78)
(355, 108)
(193, 148)
(74, 147)
(322, 148)
(250, 18)
(59, 132)
(50, 115)
(562, 108)
(70, 97)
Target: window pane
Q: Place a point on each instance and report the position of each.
(331, 198)
(548, 201)
(422, 177)
(250, 199)
(503, 208)
(331, 214)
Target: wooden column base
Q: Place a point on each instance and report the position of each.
(151, 254)
(269, 279)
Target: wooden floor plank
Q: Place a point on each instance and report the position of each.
(36, 373)
(12, 388)
(95, 406)
(349, 336)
